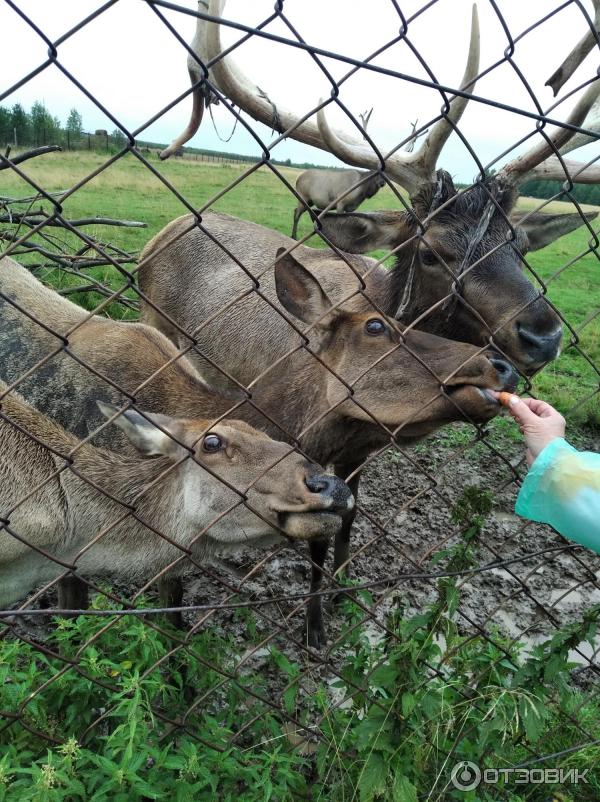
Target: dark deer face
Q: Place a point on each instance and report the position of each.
(409, 379)
(464, 263)
(472, 253)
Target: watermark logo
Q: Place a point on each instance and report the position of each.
(467, 776)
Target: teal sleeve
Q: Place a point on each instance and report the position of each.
(562, 489)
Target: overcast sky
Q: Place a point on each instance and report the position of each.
(133, 65)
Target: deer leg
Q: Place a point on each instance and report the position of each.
(298, 212)
(72, 593)
(170, 593)
(315, 628)
(342, 539)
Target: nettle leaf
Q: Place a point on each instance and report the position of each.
(554, 666)
(289, 698)
(419, 621)
(532, 714)
(403, 790)
(372, 778)
(384, 676)
(372, 726)
(408, 703)
(431, 704)
(452, 599)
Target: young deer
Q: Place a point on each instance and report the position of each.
(67, 505)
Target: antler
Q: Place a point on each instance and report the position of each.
(540, 160)
(232, 83)
(577, 55)
(410, 170)
(592, 123)
(202, 96)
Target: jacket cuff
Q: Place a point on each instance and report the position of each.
(526, 505)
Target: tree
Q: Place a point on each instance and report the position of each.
(74, 124)
(5, 129)
(118, 138)
(46, 129)
(38, 116)
(20, 126)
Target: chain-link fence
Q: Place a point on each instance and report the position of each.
(198, 601)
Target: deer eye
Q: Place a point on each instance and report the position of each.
(375, 326)
(428, 257)
(212, 443)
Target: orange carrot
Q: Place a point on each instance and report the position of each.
(505, 398)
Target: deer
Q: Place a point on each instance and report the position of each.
(459, 255)
(347, 189)
(63, 359)
(65, 504)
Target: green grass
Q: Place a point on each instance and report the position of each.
(128, 190)
(575, 293)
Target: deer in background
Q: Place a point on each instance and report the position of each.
(129, 516)
(344, 189)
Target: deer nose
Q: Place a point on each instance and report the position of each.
(507, 374)
(332, 488)
(540, 347)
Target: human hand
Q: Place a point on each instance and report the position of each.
(539, 422)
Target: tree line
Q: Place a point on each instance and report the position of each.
(36, 127)
(584, 193)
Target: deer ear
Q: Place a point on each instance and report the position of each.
(542, 228)
(359, 232)
(298, 290)
(145, 436)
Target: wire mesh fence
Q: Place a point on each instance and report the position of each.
(198, 600)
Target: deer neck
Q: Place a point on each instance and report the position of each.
(133, 504)
(293, 395)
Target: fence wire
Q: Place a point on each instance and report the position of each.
(438, 579)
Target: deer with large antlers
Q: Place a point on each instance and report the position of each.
(458, 269)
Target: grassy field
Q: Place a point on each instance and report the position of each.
(129, 190)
